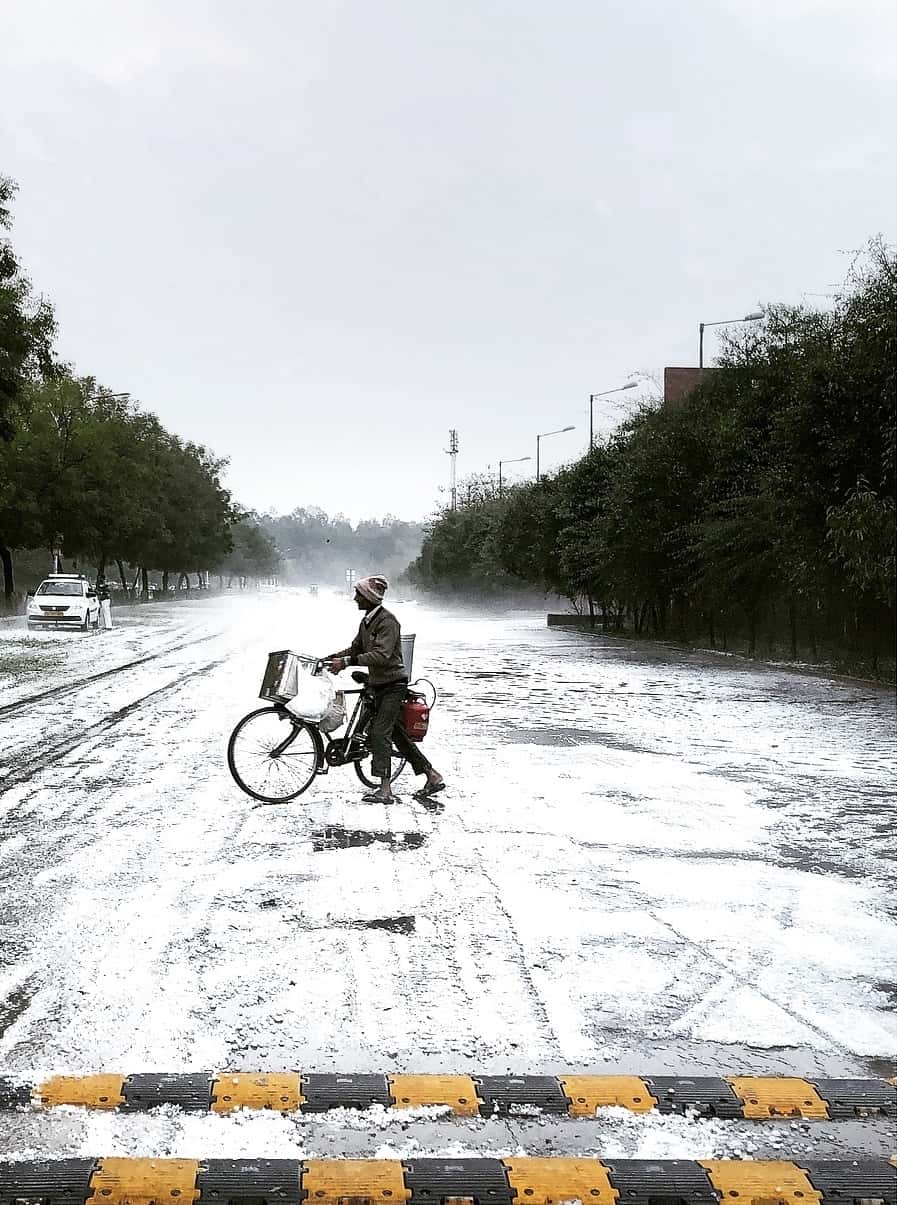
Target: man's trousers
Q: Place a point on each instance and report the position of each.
(386, 730)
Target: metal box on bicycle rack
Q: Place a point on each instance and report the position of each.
(281, 680)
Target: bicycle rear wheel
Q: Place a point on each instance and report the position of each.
(274, 756)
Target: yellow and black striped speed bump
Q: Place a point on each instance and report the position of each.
(476, 1181)
(733, 1097)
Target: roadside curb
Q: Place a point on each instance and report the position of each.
(434, 1181)
(742, 1097)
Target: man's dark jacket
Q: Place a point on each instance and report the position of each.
(378, 647)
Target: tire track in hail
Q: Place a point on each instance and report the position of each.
(71, 687)
(48, 756)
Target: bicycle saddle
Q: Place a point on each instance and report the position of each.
(360, 676)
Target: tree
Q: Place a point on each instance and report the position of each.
(253, 553)
(27, 325)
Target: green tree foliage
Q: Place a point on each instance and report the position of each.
(92, 474)
(763, 500)
(27, 325)
(253, 554)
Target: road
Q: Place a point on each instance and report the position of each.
(649, 861)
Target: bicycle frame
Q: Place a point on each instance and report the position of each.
(327, 741)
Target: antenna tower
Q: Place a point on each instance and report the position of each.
(452, 451)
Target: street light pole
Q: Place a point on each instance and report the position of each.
(544, 435)
(723, 322)
(517, 460)
(604, 393)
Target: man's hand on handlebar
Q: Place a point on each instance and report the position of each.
(336, 664)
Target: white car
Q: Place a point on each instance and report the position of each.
(67, 599)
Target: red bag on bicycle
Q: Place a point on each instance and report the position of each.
(415, 715)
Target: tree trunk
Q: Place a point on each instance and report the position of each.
(144, 585)
(711, 627)
(792, 625)
(604, 617)
(661, 613)
(101, 565)
(165, 582)
(591, 610)
(9, 581)
(752, 634)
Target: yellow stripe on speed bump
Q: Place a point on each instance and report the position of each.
(550, 1181)
(771, 1182)
(590, 1092)
(769, 1096)
(244, 1090)
(88, 1091)
(457, 1091)
(372, 1181)
(145, 1181)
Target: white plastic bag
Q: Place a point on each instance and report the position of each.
(314, 694)
(335, 715)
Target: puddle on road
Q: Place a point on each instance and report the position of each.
(335, 836)
(14, 1005)
(404, 925)
(570, 736)
(392, 924)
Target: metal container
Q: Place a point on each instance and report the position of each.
(408, 653)
(281, 680)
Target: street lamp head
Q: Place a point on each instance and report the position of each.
(754, 317)
(563, 429)
(629, 385)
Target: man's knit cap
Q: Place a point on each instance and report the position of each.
(372, 588)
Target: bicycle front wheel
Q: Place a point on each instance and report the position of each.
(274, 756)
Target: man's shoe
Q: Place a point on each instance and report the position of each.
(427, 792)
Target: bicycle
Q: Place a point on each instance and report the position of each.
(275, 764)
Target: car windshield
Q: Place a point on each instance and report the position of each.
(68, 589)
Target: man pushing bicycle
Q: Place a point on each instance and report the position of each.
(378, 648)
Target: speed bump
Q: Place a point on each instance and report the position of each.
(88, 1091)
(511, 1181)
(733, 1097)
(547, 1181)
(145, 1181)
(776, 1180)
(586, 1093)
(247, 1091)
(456, 1092)
(767, 1097)
(372, 1181)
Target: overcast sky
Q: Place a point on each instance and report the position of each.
(317, 235)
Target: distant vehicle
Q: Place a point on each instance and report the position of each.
(65, 599)
(313, 589)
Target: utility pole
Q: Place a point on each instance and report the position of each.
(452, 451)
